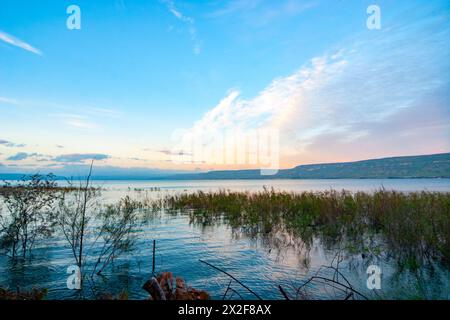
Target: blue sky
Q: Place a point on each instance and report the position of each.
(137, 71)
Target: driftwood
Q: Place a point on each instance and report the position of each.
(152, 286)
(165, 288)
(34, 294)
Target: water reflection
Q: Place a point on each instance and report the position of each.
(263, 257)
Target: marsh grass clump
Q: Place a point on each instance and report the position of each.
(35, 208)
(33, 294)
(28, 216)
(108, 229)
(115, 233)
(412, 227)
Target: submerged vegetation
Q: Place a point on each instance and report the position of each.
(33, 294)
(29, 217)
(167, 287)
(97, 234)
(413, 227)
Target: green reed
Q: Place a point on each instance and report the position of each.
(414, 226)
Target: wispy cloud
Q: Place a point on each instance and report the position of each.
(18, 43)
(259, 13)
(190, 22)
(77, 121)
(83, 120)
(234, 6)
(10, 144)
(358, 94)
(76, 158)
(81, 116)
(18, 157)
(80, 158)
(170, 153)
(103, 112)
(86, 109)
(23, 156)
(9, 101)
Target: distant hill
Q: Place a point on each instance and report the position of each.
(425, 166)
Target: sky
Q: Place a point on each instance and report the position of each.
(143, 81)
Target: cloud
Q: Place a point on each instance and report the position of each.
(236, 6)
(6, 143)
(4, 100)
(18, 43)
(80, 158)
(170, 153)
(82, 119)
(9, 144)
(18, 157)
(138, 159)
(65, 158)
(277, 103)
(190, 22)
(258, 13)
(23, 156)
(78, 121)
(370, 96)
(103, 112)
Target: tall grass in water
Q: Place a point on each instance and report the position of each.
(413, 227)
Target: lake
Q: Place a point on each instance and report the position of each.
(405, 185)
(258, 261)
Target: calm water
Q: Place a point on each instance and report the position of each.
(286, 185)
(261, 262)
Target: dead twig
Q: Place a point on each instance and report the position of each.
(152, 286)
(243, 285)
(331, 281)
(226, 291)
(284, 293)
